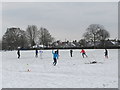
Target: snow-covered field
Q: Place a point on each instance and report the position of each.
(70, 72)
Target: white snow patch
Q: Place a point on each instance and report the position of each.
(70, 72)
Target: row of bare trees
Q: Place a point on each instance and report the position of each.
(15, 37)
(41, 36)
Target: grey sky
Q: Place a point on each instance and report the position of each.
(63, 20)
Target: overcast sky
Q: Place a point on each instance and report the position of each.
(64, 20)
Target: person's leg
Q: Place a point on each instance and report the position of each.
(71, 54)
(18, 55)
(36, 55)
(83, 55)
(106, 56)
(86, 55)
(55, 62)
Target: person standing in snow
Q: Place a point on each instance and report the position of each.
(83, 53)
(71, 52)
(55, 57)
(36, 53)
(18, 53)
(106, 53)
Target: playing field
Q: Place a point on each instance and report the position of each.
(70, 72)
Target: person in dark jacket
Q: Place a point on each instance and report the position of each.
(36, 53)
(55, 57)
(106, 53)
(71, 52)
(18, 53)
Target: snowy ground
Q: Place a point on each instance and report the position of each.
(70, 72)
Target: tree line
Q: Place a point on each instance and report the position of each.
(15, 37)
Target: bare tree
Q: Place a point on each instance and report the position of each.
(13, 38)
(103, 35)
(31, 33)
(96, 32)
(44, 37)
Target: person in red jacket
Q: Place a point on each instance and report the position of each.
(83, 53)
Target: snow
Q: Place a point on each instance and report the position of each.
(70, 72)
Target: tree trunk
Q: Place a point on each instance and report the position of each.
(94, 41)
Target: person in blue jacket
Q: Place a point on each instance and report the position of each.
(55, 57)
